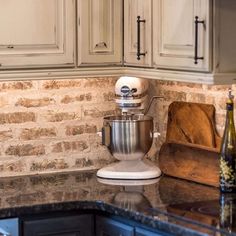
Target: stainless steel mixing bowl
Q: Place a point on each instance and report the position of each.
(128, 137)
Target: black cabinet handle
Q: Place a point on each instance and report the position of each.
(196, 57)
(138, 38)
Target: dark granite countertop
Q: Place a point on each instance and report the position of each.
(185, 208)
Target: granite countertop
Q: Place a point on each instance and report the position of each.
(164, 202)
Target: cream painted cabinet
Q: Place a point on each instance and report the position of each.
(138, 32)
(181, 34)
(36, 33)
(99, 32)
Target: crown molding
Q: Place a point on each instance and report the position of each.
(108, 71)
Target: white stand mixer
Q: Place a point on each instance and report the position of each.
(129, 137)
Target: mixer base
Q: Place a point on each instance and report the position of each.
(141, 169)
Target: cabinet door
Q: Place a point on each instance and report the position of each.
(144, 232)
(109, 227)
(133, 9)
(175, 37)
(80, 225)
(9, 227)
(99, 32)
(36, 33)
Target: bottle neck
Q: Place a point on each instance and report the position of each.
(230, 114)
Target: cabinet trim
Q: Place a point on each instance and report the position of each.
(39, 74)
(170, 75)
(167, 75)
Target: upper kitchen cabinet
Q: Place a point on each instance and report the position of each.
(99, 32)
(224, 39)
(182, 34)
(138, 32)
(36, 33)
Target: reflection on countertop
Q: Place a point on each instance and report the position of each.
(171, 200)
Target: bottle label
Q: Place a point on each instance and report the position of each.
(227, 174)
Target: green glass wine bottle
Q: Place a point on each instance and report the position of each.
(228, 150)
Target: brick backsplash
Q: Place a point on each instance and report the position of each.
(52, 125)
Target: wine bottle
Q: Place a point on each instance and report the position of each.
(228, 150)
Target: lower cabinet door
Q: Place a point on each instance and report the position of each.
(109, 227)
(9, 227)
(144, 232)
(77, 225)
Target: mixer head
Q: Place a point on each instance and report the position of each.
(131, 94)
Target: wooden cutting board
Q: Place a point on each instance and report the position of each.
(192, 123)
(192, 146)
(190, 163)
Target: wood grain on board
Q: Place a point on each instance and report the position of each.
(190, 163)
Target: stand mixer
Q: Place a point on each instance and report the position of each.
(129, 137)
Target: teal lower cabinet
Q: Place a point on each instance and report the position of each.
(74, 225)
(144, 232)
(9, 227)
(110, 227)
(83, 224)
(116, 226)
